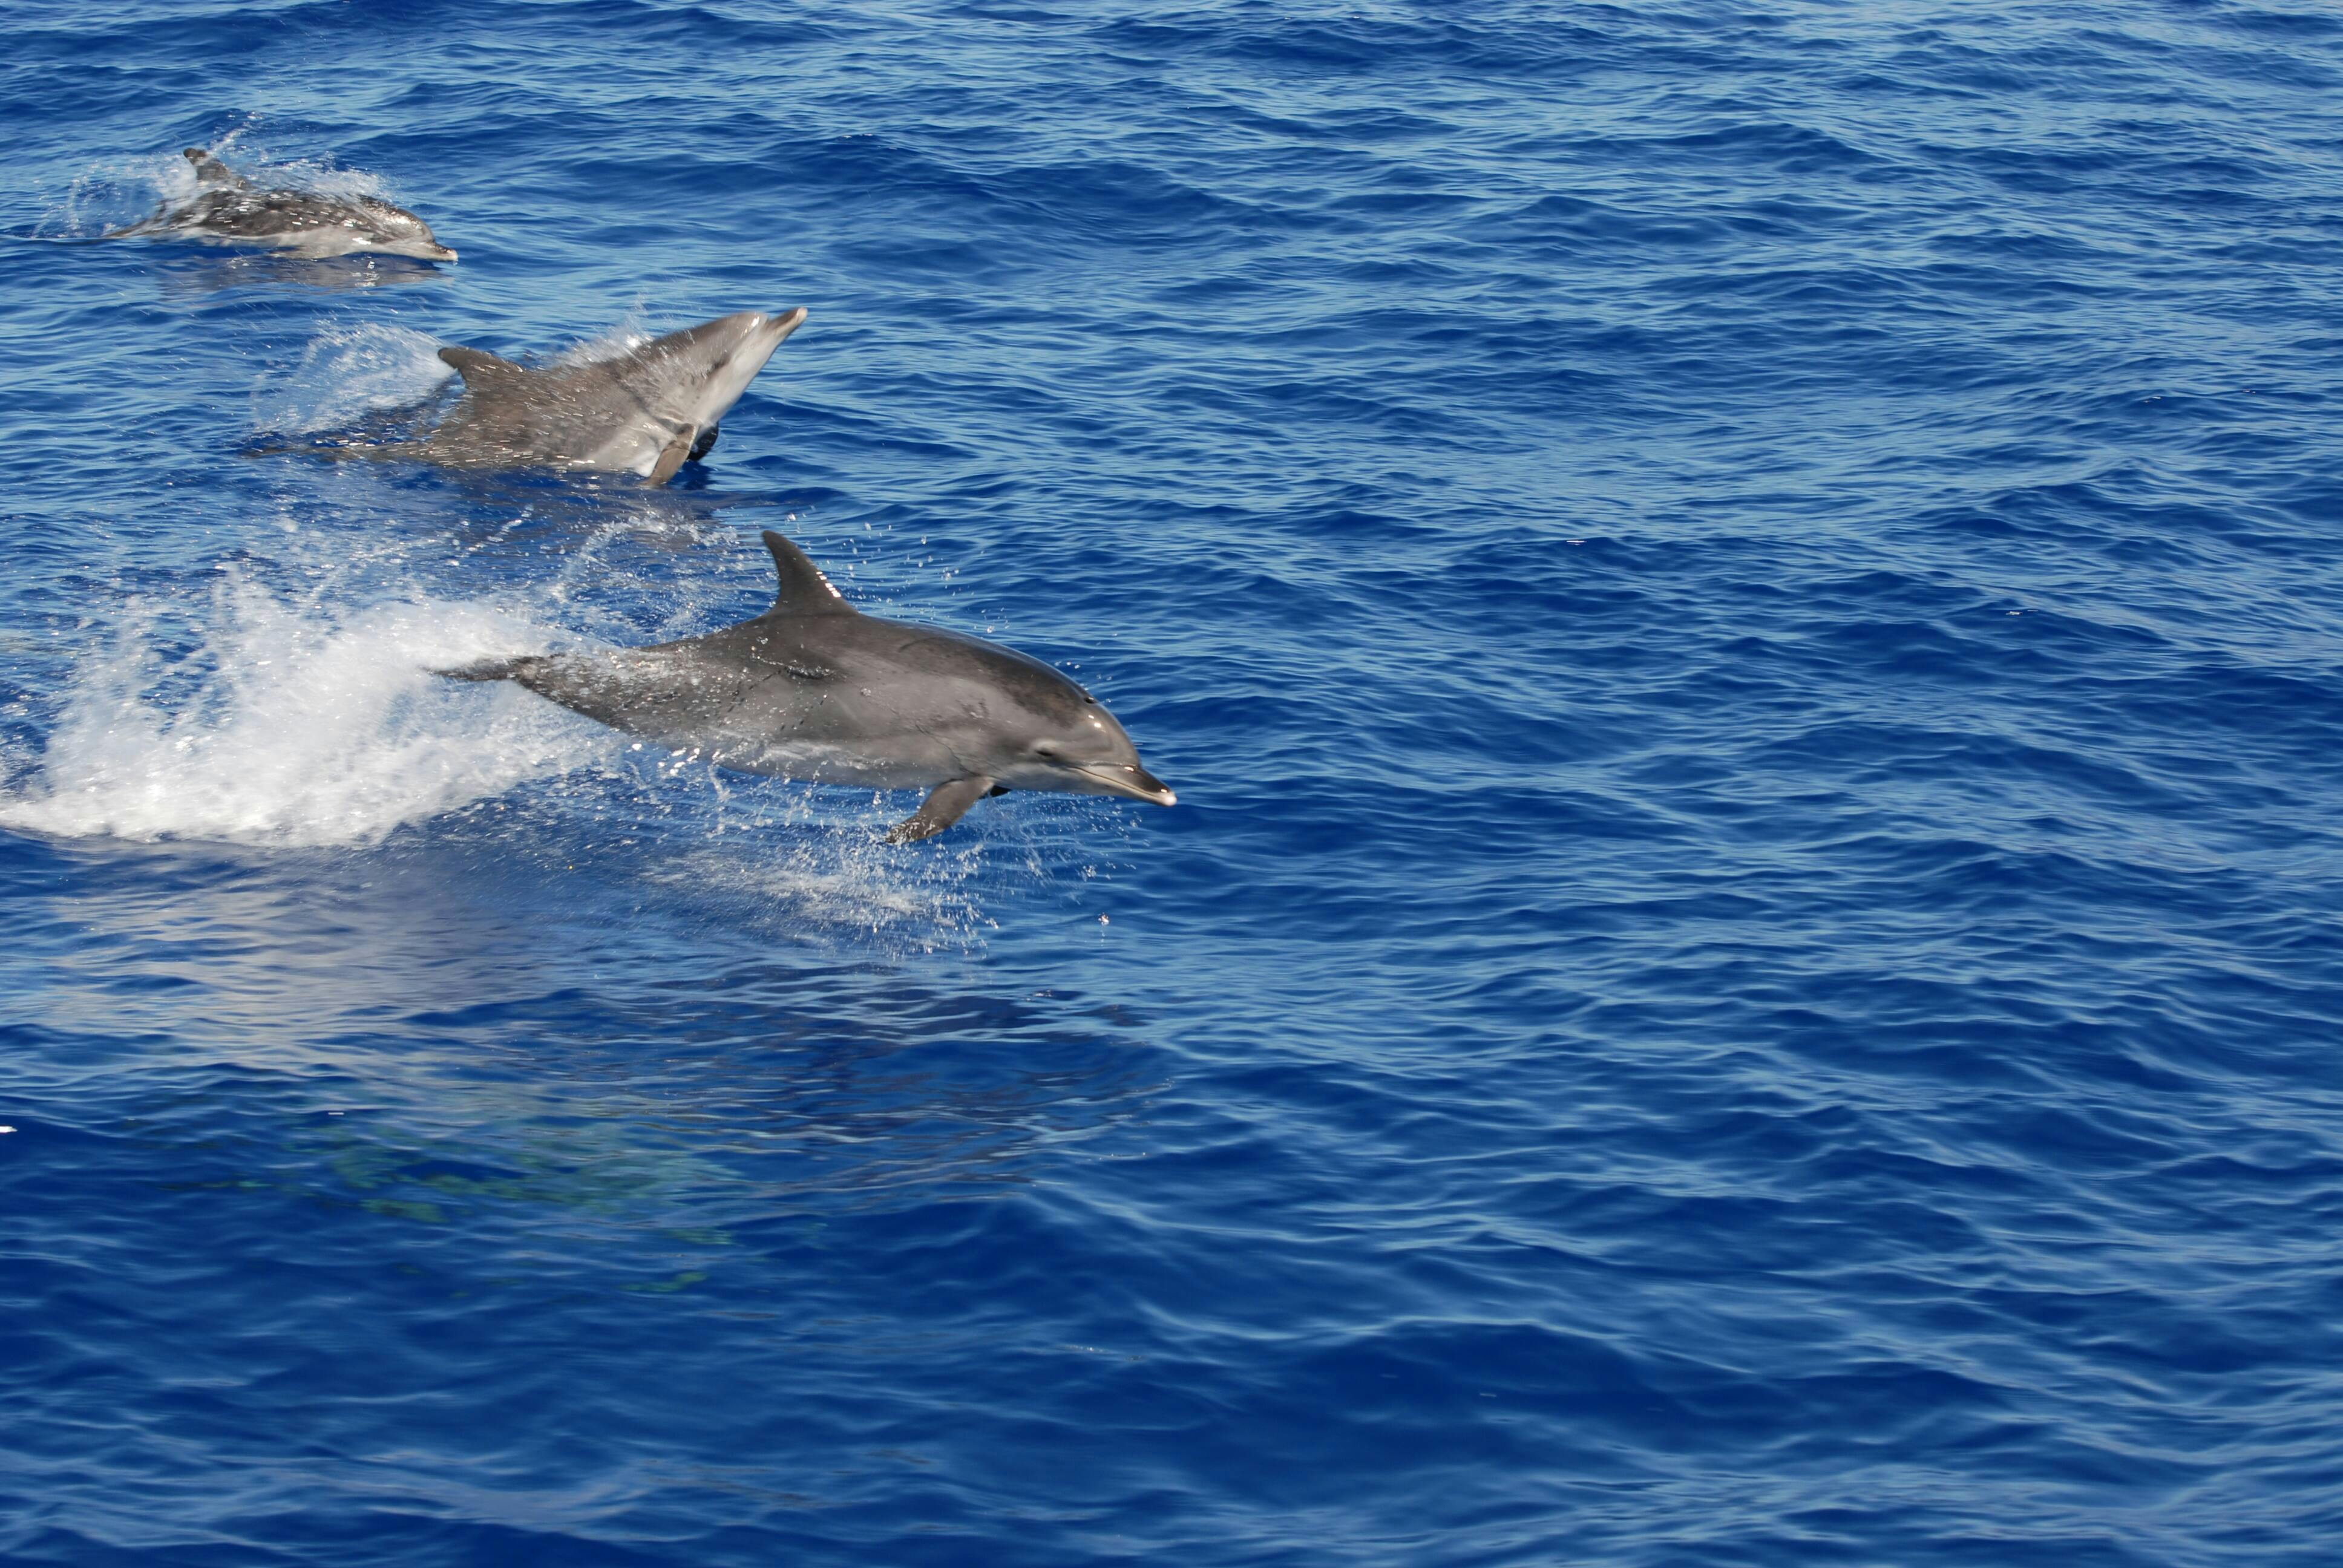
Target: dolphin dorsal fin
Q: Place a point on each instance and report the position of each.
(478, 364)
(209, 170)
(803, 591)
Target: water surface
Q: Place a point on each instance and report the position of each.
(1742, 605)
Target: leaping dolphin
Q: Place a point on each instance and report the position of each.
(644, 411)
(229, 208)
(814, 689)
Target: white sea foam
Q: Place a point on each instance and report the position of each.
(296, 728)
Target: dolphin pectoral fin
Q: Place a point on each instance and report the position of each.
(949, 801)
(672, 455)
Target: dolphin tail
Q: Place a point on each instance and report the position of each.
(489, 668)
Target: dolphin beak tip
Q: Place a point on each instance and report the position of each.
(1131, 782)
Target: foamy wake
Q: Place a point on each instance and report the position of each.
(298, 729)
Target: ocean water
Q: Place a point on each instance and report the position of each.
(1744, 602)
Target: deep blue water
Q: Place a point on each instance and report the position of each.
(1744, 603)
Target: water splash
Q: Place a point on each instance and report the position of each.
(302, 730)
(622, 338)
(348, 374)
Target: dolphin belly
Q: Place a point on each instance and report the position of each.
(633, 449)
(829, 762)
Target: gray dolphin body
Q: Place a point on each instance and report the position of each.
(230, 208)
(644, 411)
(814, 689)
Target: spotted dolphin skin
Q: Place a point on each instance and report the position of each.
(814, 689)
(228, 208)
(645, 411)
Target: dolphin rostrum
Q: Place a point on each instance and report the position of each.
(814, 689)
(228, 208)
(643, 411)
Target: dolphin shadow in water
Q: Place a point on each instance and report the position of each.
(229, 209)
(814, 689)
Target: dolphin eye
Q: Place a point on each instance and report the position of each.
(1047, 749)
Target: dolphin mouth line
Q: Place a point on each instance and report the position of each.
(1137, 783)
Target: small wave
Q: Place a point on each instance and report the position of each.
(301, 730)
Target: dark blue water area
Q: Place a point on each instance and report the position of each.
(1744, 603)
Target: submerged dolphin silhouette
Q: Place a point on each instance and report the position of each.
(228, 208)
(814, 689)
(644, 411)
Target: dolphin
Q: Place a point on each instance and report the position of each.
(230, 208)
(644, 411)
(814, 689)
